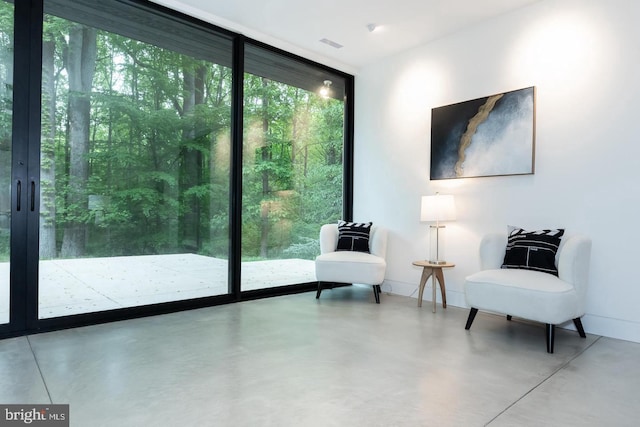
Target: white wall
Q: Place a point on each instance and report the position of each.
(583, 56)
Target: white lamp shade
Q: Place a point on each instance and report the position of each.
(440, 207)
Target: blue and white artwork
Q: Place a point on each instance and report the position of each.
(487, 136)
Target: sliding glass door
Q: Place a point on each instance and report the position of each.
(135, 161)
(150, 162)
(292, 166)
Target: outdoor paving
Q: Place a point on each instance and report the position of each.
(83, 285)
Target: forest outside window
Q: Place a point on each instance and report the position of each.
(135, 159)
(292, 180)
(6, 96)
(177, 164)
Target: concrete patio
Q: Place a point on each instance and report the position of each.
(83, 285)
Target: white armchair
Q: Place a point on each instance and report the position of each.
(351, 267)
(531, 295)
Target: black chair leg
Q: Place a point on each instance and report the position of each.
(509, 317)
(551, 329)
(376, 293)
(472, 315)
(578, 323)
(319, 290)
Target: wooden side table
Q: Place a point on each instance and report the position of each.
(435, 271)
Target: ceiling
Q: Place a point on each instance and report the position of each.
(298, 25)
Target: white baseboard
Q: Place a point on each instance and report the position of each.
(612, 328)
(592, 323)
(454, 298)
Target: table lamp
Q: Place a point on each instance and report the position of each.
(440, 207)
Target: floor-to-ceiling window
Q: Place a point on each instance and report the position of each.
(139, 178)
(135, 161)
(6, 95)
(292, 171)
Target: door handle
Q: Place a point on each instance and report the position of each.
(19, 194)
(33, 196)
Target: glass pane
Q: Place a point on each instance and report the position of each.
(135, 157)
(292, 168)
(6, 100)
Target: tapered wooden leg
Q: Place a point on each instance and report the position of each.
(426, 273)
(551, 329)
(443, 292)
(579, 327)
(376, 293)
(472, 315)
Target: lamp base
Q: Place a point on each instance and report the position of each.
(436, 247)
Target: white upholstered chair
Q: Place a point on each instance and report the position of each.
(532, 295)
(351, 267)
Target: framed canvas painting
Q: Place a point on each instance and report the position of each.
(489, 136)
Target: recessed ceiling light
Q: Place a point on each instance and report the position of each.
(331, 43)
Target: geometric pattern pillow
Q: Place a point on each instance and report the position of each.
(353, 236)
(533, 250)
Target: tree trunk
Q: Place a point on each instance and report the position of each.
(47, 153)
(81, 64)
(264, 208)
(214, 202)
(6, 95)
(202, 214)
(190, 161)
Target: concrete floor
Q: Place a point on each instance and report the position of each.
(341, 360)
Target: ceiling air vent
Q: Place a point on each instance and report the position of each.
(331, 43)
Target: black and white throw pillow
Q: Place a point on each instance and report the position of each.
(533, 250)
(353, 236)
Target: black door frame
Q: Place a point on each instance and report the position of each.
(25, 183)
(25, 168)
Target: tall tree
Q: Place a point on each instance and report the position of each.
(6, 108)
(47, 150)
(191, 154)
(81, 63)
(265, 154)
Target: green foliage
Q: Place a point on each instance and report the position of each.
(159, 156)
(4, 244)
(307, 248)
(293, 168)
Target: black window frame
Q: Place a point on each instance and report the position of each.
(28, 23)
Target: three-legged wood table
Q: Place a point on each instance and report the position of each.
(435, 271)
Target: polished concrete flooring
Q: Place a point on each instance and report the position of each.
(341, 360)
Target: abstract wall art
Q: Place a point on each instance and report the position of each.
(489, 136)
